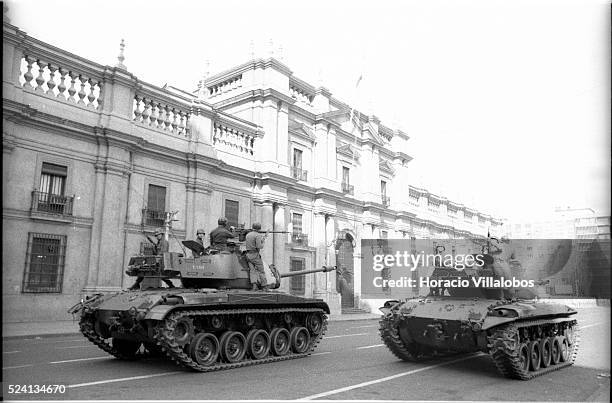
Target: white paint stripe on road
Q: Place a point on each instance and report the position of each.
(322, 353)
(10, 352)
(591, 325)
(372, 346)
(388, 378)
(64, 348)
(80, 359)
(345, 335)
(361, 327)
(132, 378)
(18, 366)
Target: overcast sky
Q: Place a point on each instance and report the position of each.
(507, 102)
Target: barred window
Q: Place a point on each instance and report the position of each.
(44, 271)
(298, 282)
(232, 209)
(296, 221)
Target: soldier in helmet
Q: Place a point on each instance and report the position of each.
(220, 235)
(254, 242)
(160, 245)
(200, 236)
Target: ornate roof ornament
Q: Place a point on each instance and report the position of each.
(121, 57)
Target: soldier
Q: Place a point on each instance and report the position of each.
(220, 235)
(159, 247)
(200, 236)
(254, 242)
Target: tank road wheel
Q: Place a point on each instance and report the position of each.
(233, 346)
(314, 323)
(258, 343)
(126, 348)
(204, 349)
(524, 357)
(564, 349)
(546, 351)
(183, 331)
(535, 355)
(555, 350)
(280, 341)
(300, 339)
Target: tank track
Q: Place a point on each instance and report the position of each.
(389, 333)
(503, 348)
(86, 325)
(164, 337)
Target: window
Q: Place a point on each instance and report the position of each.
(384, 234)
(346, 176)
(44, 263)
(155, 213)
(298, 282)
(383, 189)
(296, 220)
(232, 209)
(50, 196)
(297, 158)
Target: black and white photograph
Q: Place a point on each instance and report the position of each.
(314, 200)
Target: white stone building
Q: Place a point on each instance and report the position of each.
(94, 156)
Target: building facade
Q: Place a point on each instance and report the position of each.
(94, 157)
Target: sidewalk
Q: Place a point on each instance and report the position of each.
(57, 328)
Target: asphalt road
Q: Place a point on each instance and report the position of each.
(350, 364)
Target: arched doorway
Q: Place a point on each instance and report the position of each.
(345, 271)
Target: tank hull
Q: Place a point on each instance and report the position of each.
(418, 329)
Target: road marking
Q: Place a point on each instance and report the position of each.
(372, 346)
(346, 335)
(10, 352)
(591, 325)
(64, 348)
(388, 378)
(79, 385)
(80, 359)
(322, 353)
(18, 366)
(361, 327)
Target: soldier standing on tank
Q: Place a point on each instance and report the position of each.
(220, 235)
(160, 246)
(254, 242)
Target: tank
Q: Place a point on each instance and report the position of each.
(523, 336)
(213, 321)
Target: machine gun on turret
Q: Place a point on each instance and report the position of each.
(242, 232)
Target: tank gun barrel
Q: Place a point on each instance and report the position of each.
(324, 269)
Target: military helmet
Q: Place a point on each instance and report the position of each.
(222, 221)
(200, 231)
(256, 226)
(159, 231)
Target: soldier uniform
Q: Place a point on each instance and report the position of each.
(254, 242)
(220, 235)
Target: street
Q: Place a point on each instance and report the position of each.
(350, 364)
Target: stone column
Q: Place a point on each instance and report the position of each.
(280, 258)
(333, 297)
(267, 222)
(318, 241)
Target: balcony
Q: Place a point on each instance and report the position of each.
(299, 174)
(386, 201)
(348, 189)
(153, 217)
(299, 238)
(51, 204)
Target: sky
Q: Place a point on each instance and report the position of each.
(507, 103)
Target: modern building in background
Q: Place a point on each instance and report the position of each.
(563, 223)
(94, 158)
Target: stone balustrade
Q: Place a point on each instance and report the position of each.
(161, 112)
(232, 137)
(224, 86)
(60, 77)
